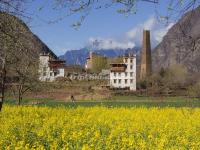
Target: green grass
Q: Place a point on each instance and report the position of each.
(118, 101)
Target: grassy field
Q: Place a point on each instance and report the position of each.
(88, 128)
(116, 101)
(90, 93)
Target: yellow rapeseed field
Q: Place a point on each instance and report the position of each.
(99, 128)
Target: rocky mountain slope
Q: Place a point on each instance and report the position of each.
(16, 28)
(181, 45)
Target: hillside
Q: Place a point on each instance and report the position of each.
(16, 28)
(181, 45)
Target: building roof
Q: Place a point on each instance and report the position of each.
(117, 64)
(57, 61)
(56, 64)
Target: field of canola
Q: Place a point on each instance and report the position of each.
(99, 128)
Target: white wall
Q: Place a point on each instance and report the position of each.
(117, 76)
(44, 69)
(47, 74)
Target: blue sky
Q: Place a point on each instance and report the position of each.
(111, 29)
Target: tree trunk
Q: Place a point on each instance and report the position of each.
(3, 79)
(20, 94)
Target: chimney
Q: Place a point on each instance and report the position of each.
(146, 65)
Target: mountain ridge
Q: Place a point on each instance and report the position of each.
(35, 41)
(181, 44)
(78, 57)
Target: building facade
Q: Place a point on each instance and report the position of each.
(50, 68)
(123, 75)
(89, 60)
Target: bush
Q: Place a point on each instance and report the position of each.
(194, 90)
(169, 81)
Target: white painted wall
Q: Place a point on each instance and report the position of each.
(46, 73)
(125, 79)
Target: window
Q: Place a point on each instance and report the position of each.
(131, 60)
(51, 74)
(115, 74)
(115, 81)
(126, 60)
(126, 74)
(126, 81)
(44, 69)
(119, 81)
(131, 74)
(131, 66)
(44, 73)
(119, 74)
(131, 80)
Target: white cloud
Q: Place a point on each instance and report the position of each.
(135, 33)
(159, 34)
(133, 37)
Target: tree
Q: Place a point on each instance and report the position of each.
(26, 72)
(175, 8)
(11, 7)
(98, 63)
(3, 78)
(168, 80)
(19, 53)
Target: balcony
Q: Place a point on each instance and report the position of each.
(120, 67)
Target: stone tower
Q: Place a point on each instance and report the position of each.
(89, 61)
(146, 65)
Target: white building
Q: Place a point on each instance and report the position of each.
(123, 75)
(50, 67)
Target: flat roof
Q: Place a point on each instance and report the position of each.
(56, 61)
(117, 64)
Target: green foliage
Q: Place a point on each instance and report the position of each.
(142, 84)
(98, 63)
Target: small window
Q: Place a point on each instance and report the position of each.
(131, 66)
(119, 81)
(115, 81)
(131, 74)
(131, 60)
(44, 69)
(119, 74)
(44, 73)
(126, 81)
(126, 60)
(126, 74)
(115, 74)
(131, 80)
